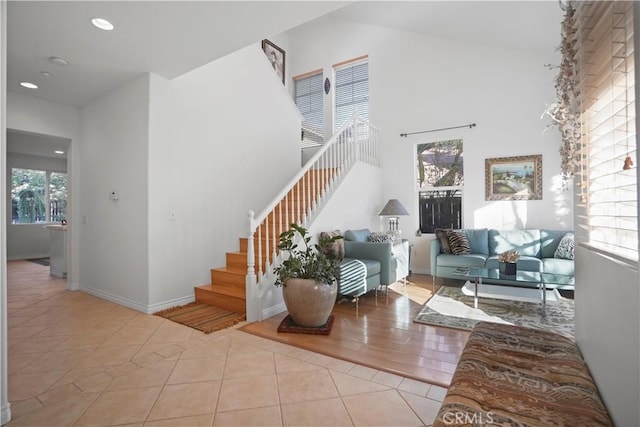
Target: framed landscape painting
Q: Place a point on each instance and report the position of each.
(514, 178)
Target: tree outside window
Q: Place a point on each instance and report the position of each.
(38, 196)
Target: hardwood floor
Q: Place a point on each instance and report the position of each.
(383, 337)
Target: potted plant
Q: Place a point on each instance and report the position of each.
(308, 277)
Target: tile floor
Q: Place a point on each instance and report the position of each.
(77, 360)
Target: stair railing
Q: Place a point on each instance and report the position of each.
(301, 199)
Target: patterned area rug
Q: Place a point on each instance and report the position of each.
(452, 309)
(203, 317)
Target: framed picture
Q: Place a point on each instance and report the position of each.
(276, 57)
(513, 178)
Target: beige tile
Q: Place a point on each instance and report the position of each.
(78, 374)
(57, 360)
(186, 400)
(56, 394)
(80, 341)
(147, 321)
(24, 407)
(363, 372)
(148, 359)
(132, 406)
(170, 351)
(347, 384)
(94, 383)
(437, 393)
(18, 361)
(26, 386)
(121, 370)
(330, 362)
(330, 412)
(414, 387)
(307, 385)
(253, 362)
(387, 379)
(218, 347)
(426, 409)
(256, 417)
(256, 392)
(291, 364)
(129, 336)
(195, 421)
(194, 370)
(63, 413)
(110, 356)
(170, 333)
(37, 345)
(151, 376)
(24, 331)
(382, 408)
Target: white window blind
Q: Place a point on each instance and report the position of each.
(308, 98)
(352, 91)
(607, 106)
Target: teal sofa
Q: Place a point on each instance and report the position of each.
(537, 248)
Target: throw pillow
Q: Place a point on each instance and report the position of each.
(565, 247)
(336, 248)
(442, 236)
(458, 242)
(380, 237)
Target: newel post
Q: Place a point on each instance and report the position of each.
(251, 282)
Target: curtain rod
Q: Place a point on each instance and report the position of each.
(471, 125)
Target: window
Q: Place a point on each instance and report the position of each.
(308, 97)
(38, 196)
(607, 105)
(351, 91)
(440, 178)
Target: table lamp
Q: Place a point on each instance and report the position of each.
(393, 209)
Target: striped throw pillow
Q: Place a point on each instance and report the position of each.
(458, 242)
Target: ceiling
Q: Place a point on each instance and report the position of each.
(170, 38)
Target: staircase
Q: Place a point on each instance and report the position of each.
(298, 203)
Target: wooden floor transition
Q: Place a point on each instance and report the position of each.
(383, 336)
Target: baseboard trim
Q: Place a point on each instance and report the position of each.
(273, 310)
(154, 308)
(115, 298)
(5, 413)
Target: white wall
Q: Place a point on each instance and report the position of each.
(114, 157)
(232, 144)
(418, 83)
(28, 114)
(5, 406)
(26, 241)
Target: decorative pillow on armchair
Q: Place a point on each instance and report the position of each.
(380, 237)
(336, 248)
(565, 247)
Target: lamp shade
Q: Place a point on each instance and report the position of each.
(393, 208)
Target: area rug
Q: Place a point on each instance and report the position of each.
(287, 325)
(203, 317)
(452, 309)
(41, 261)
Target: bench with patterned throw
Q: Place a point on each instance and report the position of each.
(512, 375)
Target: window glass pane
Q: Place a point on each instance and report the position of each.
(440, 209)
(28, 196)
(440, 164)
(308, 98)
(57, 196)
(351, 92)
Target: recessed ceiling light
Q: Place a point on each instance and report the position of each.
(58, 61)
(102, 23)
(59, 152)
(29, 85)
(45, 73)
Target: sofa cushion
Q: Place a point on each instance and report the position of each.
(565, 247)
(559, 266)
(525, 263)
(468, 260)
(478, 240)
(527, 242)
(458, 242)
(357, 235)
(443, 238)
(549, 240)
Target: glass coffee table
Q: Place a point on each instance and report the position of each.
(526, 279)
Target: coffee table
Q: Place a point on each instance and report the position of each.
(527, 279)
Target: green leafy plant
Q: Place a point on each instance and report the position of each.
(306, 260)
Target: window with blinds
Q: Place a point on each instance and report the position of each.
(607, 105)
(308, 98)
(351, 91)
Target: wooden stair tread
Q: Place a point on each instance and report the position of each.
(221, 289)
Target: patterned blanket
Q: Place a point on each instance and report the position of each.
(516, 376)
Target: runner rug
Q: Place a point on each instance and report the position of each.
(203, 317)
(452, 309)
